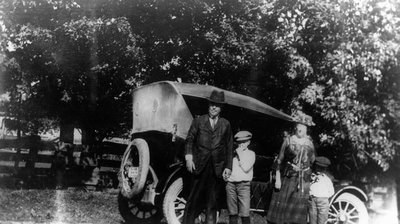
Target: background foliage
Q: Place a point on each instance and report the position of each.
(76, 61)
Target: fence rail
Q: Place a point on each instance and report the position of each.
(91, 169)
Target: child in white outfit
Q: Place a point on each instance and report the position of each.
(238, 183)
(321, 189)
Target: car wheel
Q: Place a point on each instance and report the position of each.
(134, 168)
(132, 211)
(347, 208)
(174, 203)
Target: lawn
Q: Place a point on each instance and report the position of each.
(68, 206)
(58, 206)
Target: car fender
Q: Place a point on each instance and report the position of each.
(352, 190)
(178, 170)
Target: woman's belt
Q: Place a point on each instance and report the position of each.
(300, 170)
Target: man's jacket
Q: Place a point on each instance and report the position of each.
(205, 143)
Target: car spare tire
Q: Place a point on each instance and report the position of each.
(134, 168)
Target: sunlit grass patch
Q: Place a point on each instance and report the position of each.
(27, 205)
(70, 206)
(58, 206)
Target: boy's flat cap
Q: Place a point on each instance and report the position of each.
(243, 136)
(322, 161)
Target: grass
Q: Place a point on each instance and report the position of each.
(69, 206)
(27, 205)
(58, 206)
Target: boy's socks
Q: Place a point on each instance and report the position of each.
(245, 220)
(233, 219)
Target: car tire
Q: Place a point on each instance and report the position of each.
(132, 211)
(129, 186)
(174, 203)
(347, 208)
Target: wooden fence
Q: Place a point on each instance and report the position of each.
(38, 160)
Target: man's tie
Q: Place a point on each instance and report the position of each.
(213, 121)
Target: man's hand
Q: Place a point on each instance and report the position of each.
(226, 174)
(190, 165)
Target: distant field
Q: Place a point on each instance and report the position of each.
(68, 206)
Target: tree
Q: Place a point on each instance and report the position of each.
(336, 60)
(349, 54)
(73, 69)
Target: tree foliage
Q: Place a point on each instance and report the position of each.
(68, 68)
(337, 60)
(355, 71)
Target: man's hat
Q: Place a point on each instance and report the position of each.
(303, 118)
(243, 136)
(322, 161)
(217, 97)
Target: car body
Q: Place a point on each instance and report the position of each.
(153, 177)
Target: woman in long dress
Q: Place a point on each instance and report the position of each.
(289, 200)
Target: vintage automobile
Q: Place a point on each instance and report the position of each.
(152, 176)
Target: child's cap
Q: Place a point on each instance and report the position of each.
(322, 161)
(243, 136)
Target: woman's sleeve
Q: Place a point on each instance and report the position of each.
(281, 154)
(312, 152)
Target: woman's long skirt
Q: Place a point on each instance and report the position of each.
(289, 205)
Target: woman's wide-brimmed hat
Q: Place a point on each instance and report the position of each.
(303, 118)
(217, 97)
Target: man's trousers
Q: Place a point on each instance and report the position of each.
(204, 191)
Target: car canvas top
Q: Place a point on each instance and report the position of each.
(161, 106)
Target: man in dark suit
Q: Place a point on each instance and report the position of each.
(209, 155)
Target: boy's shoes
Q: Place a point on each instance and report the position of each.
(245, 220)
(233, 219)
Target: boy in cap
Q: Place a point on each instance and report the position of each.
(238, 183)
(321, 189)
